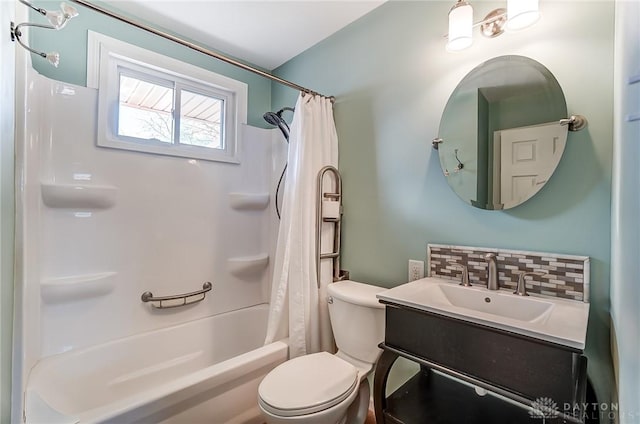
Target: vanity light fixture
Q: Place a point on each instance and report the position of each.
(518, 15)
(57, 19)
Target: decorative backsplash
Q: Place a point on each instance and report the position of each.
(565, 276)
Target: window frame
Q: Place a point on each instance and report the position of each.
(108, 58)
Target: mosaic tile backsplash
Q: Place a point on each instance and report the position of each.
(565, 276)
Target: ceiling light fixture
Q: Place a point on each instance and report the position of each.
(518, 15)
(57, 18)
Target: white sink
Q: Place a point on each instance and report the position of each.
(496, 303)
(552, 319)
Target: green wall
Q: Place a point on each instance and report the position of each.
(392, 77)
(71, 43)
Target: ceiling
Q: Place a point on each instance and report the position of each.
(266, 33)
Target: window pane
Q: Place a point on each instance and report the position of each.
(145, 110)
(200, 120)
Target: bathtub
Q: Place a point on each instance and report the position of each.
(204, 371)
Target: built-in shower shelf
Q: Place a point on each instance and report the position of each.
(76, 196)
(247, 265)
(249, 201)
(76, 287)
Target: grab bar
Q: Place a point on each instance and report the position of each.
(338, 274)
(186, 298)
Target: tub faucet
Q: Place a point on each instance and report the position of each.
(492, 280)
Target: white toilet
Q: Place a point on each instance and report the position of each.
(322, 388)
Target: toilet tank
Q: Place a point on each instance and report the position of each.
(357, 319)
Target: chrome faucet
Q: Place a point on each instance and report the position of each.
(492, 280)
(464, 279)
(521, 289)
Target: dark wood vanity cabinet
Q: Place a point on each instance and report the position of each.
(521, 369)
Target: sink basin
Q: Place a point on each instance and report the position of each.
(551, 319)
(495, 303)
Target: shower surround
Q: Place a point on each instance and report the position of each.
(97, 227)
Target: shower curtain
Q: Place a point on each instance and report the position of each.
(297, 308)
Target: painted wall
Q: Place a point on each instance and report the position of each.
(392, 77)
(7, 95)
(71, 43)
(625, 236)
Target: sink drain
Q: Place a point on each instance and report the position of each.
(487, 299)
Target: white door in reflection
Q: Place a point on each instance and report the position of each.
(528, 156)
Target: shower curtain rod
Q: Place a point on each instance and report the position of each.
(197, 48)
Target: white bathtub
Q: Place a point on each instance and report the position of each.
(204, 371)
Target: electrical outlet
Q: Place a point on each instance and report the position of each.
(416, 270)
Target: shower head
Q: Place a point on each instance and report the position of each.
(272, 118)
(275, 119)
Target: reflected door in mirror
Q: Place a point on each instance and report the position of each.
(527, 158)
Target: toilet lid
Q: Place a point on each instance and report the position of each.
(307, 384)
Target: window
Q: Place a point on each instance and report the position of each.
(162, 111)
(159, 105)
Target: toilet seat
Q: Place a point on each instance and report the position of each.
(307, 384)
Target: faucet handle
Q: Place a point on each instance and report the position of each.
(521, 289)
(465, 273)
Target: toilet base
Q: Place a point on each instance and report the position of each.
(359, 408)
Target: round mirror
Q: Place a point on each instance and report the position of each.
(500, 137)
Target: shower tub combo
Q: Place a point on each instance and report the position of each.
(98, 228)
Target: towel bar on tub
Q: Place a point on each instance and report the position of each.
(164, 302)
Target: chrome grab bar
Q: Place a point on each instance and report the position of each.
(336, 196)
(186, 298)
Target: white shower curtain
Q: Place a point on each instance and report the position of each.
(297, 308)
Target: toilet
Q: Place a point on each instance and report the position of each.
(322, 388)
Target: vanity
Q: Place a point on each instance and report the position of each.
(484, 355)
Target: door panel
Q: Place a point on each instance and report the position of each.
(528, 157)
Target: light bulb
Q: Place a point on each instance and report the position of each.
(56, 18)
(53, 58)
(460, 26)
(522, 14)
(68, 10)
(59, 18)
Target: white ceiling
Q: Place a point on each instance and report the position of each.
(266, 33)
